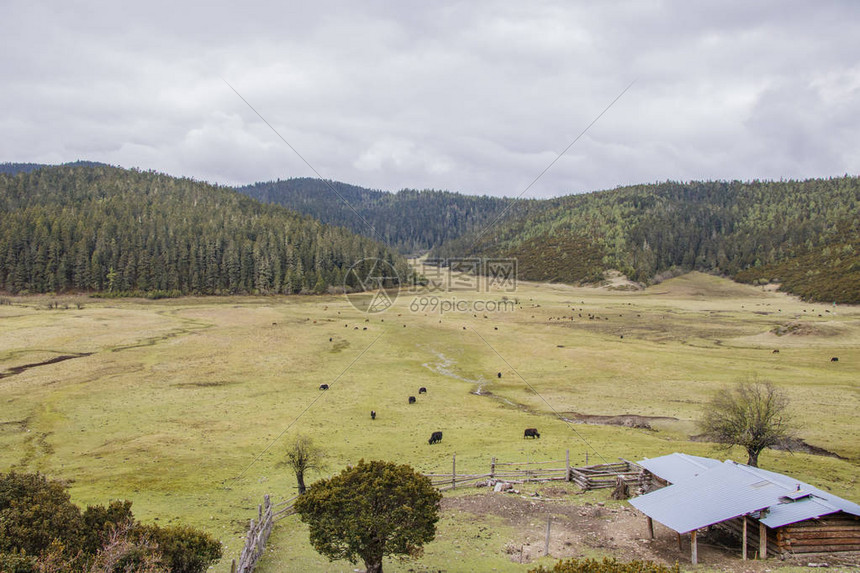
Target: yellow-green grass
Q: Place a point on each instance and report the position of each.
(185, 406)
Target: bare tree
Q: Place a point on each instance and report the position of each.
(752, 415)
(304, 456)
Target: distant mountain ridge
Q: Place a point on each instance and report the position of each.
(410, 221)
(116, 231)
(802, 234)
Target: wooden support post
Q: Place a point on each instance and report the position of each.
(762, 540)
(454, 471)
(567, 465)
(744, 548)
(546, 545)
(694, 550)
(679, 542)
(650, 528)
(233, 567)
(493, 468)
(586, 457)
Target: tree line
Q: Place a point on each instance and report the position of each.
(115, 231)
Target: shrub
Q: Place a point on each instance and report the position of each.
(100, 521)
(17, 562)
(34, 512)
(42, 531)
(184, 548)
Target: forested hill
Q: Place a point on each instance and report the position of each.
(803, 234)
(119, 231)
(409, 221)
(14, 168)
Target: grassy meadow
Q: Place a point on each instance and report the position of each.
(185, 406)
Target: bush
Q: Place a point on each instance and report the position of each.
(100, 521)
(184, 549)
(127, 550)
(34, 512)
(607, 566)
(42, 531)
(17, 562)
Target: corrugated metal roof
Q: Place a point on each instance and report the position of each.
(715, 495)
(792, 512)
(675, 468)
(727, 490)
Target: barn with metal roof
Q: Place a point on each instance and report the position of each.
(777, 513)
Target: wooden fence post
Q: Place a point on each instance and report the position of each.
(586, 457)
(233, 567)
(546, 545)
(453, 471)
(493, 467)
(650, 528)
(567, 465)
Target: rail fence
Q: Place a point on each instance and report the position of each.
(259, 531)
(587, 477)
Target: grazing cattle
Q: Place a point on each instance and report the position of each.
(435, 438)
(422, 390)
(411, 399)
(329, 339)
(531, 433)
(499, 374)
(372, 415)
(835, 359)
(323, 386)
(495, 328)
(776, 350)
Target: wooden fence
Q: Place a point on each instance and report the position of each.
(606, 475)
(588, 477)
(259, 531)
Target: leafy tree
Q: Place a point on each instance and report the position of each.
(302, 457)
(369, 511)
(752, 415)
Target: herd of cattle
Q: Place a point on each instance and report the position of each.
(436, 437)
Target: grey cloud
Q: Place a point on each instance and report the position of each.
(474, 97)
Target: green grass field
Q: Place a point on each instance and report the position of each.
(184, 406)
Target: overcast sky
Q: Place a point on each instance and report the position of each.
(476, 97)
